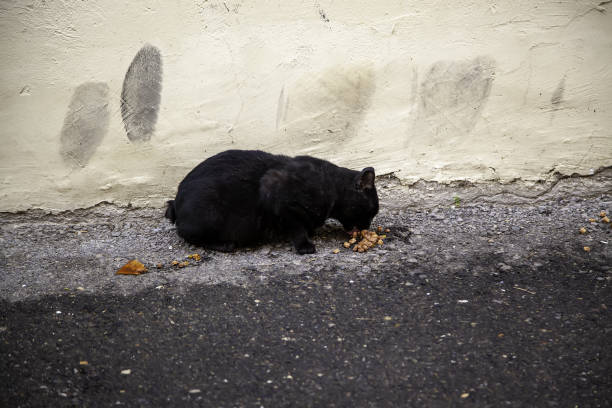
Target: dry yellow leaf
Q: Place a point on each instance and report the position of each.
(134, 267)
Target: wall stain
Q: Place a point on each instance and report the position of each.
(141, 94)
(454, 93)
(219, 6)
(327, 107)
(281, 110)
(86, 123)
(323, 16)
(557, 96)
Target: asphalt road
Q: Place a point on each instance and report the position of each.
(485, 304)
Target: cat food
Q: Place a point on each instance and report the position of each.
(335, 251)
(602, 214)
(605, 219)
(583, 230)
(369, 239)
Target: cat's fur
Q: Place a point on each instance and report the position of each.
(243, 197)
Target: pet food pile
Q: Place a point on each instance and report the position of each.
(367, 239)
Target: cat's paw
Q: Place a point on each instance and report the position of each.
(306, 248)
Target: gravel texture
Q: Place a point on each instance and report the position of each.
(489, 299)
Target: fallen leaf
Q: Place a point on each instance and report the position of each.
(134, 267)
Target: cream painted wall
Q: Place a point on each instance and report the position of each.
(475, 90)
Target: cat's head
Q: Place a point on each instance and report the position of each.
(359, 202)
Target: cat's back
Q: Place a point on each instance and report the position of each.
(235, 166)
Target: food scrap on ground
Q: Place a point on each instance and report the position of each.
(583, 230)
(587, 249)
(369, 239)
(195, 257)
(134, 267)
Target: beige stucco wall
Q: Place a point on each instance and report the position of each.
(434, 90)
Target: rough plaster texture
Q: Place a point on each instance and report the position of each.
(433, 91)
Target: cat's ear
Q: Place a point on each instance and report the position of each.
(365, 179)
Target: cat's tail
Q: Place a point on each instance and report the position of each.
(170, 212)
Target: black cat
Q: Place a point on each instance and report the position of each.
(243, 197)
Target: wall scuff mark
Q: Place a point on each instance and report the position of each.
(454, 92)
(141, 94)
(328, 107)
(85, 124)
(557, 96)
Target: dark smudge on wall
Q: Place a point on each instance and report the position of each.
(141, 94)
(557, 96)
(86, 123)
(454, 92)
